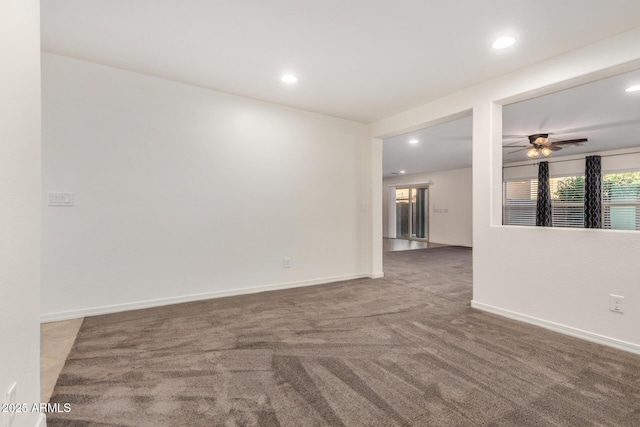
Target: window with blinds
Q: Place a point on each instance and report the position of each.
(567, 201)
(519, 202)
(620, 201)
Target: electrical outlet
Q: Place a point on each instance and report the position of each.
(286, 263)
(616, 303)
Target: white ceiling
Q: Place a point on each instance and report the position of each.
(600, 111)
(442, 147)
(358, 59)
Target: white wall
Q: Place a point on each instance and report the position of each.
(20, 212)
(448, 190)
(571, 299)
(184, 193)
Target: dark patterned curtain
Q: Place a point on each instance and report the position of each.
(543, 208)
(593, 193)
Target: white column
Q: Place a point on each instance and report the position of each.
(376, 208)
(20, 212)
(487, 184)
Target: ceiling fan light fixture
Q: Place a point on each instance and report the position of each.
(546, 151)
(541, 140)
(533, 153)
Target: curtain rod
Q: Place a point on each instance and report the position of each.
(572, 160)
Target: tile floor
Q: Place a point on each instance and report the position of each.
(56, 340)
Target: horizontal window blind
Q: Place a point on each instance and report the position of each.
(620, 201)
(519, 202)
(567, 201)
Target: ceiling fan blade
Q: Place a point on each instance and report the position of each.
(570, 141)
(555, 148)
(545, 119)
(515, 151)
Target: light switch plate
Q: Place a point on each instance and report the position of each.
(61, 199)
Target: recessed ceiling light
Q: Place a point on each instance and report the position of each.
(403, 171)
(633, 88)
(413, 141)
(503, 42)
(289, 78)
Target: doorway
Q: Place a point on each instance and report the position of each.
(412, 213)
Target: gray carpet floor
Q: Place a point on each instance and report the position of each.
(405, 350)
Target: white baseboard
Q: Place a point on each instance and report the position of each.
(563, 329)
(107, 309)
(375, 275)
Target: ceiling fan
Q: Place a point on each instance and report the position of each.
(540, 144)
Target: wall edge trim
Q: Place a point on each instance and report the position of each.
(116, 308)
(557, 327)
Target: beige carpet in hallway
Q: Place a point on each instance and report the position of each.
(405, 350)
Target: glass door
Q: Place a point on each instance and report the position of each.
(412, 213)
(420, 213)
(402, 213)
